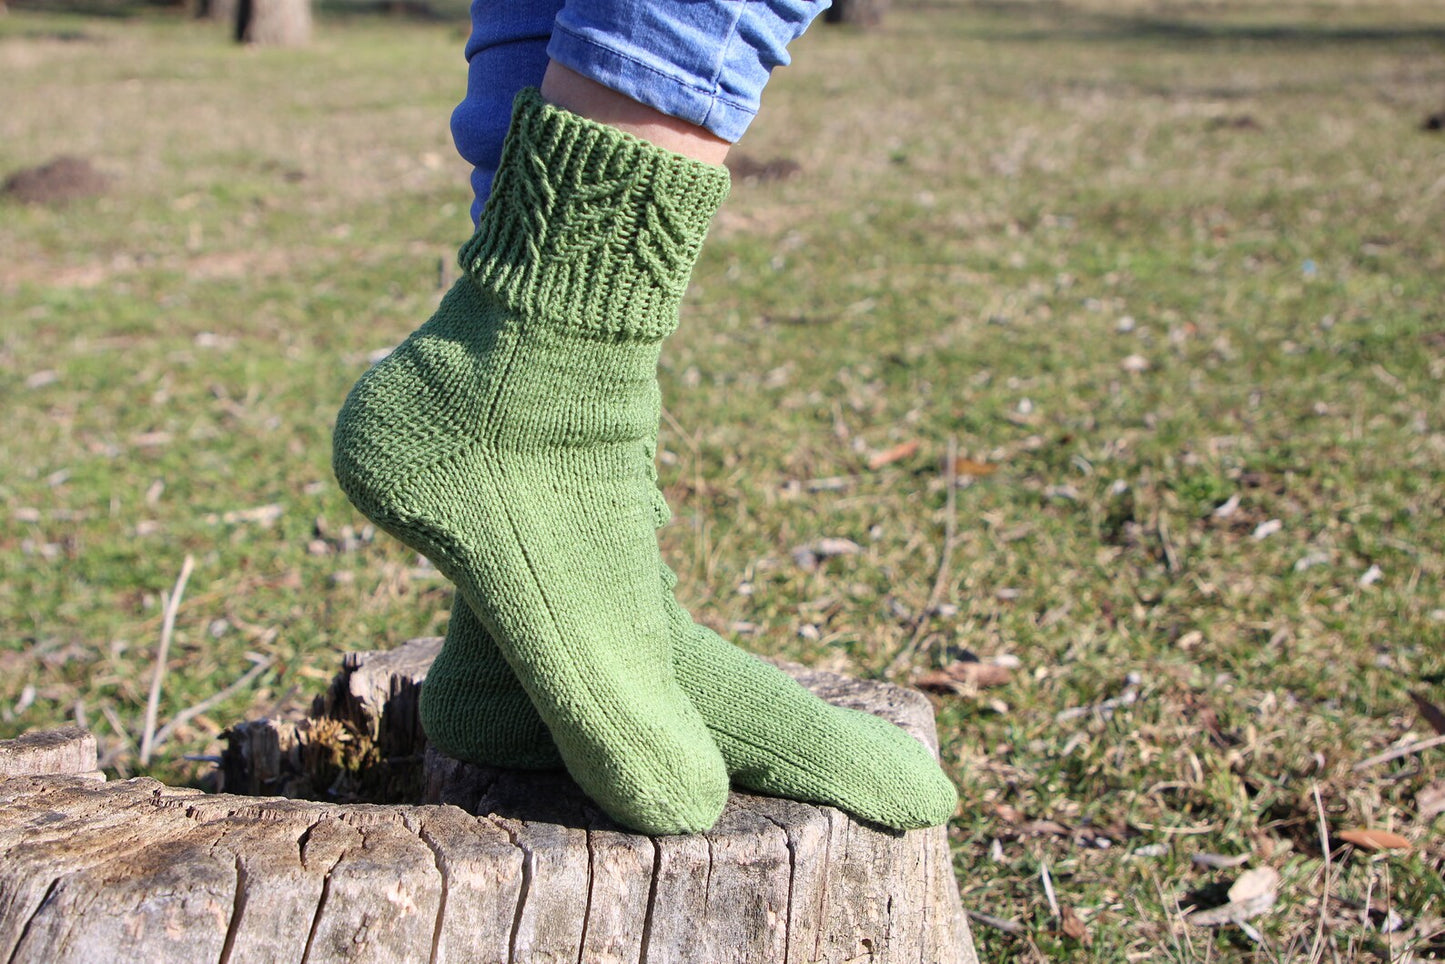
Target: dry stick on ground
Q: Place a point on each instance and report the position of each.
(997, 923)
(1399, 751)
(1171, 558)
(190, 712)
(935, 596)
(168, 625)
(1325, 895)
(1048, 882)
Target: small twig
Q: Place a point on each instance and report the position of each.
(1366, 904)
(1183, 951)
(1325, 850)
(168, 626)
(1171, 558)
(1048, 883)
(1389, 891)
(1219, 861)
(186, 715)
(940, 579)
(1400, 751)
(997, 923)
(1103, 709)
(1178, 831)
(116, 725)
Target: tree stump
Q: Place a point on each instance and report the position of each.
(496, 866)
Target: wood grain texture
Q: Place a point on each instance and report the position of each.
(70, 750)
(496, 866)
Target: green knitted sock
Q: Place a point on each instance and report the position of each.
(780, 739)
(472, 706)
(505, 441)
(777, 738)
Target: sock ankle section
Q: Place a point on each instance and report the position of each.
(590, 228)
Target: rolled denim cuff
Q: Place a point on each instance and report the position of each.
(702, 61)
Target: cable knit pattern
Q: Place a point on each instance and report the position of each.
(505, 440)
(591, 228)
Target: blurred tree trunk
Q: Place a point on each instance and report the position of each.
(860, 13)
(220, 11)
(285, 23)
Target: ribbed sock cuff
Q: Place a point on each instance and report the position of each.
(590, 228)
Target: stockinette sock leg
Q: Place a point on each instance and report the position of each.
(505, 439)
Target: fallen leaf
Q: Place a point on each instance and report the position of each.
(810, 555)
(962, 676)
(1007, 813)
(824, 548)
(1134, 364)
(1253, 885)
(1043, 828)
(897, 453)
(1073, 926)
(1251, 895)
(1266, 529)
(962, 467)
(151, 439)
(1432, 713)
(1227, 508)
(1430, 801)
(1374, 839)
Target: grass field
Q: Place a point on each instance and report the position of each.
(1168, 276)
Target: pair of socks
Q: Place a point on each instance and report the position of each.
(775, 737)
(509, 440)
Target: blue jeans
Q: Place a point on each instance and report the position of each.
(703, 61)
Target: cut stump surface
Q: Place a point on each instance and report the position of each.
(497, 866)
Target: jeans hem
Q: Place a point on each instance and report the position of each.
(647, 84)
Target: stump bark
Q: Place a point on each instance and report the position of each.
(495, 866)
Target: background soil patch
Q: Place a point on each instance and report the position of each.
(56, 181)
